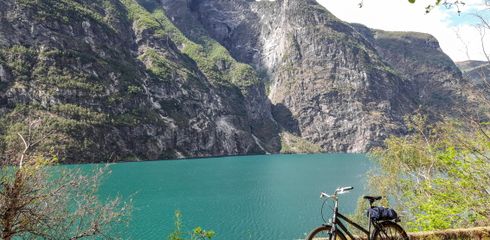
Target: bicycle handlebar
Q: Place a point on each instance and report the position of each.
(343, 189)
(338, 191)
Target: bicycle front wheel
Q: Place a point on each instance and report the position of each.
(389, 230)
(323, 233)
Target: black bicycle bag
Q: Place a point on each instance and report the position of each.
(381, 214)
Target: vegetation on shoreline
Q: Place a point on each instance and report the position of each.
(294, 144)
(437, 176)
(456, 234)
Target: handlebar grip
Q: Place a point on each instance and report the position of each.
(344, 189)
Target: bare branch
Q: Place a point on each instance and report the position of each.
(35, 199)
(26, 147)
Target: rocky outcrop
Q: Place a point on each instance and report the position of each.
(342, 86)
(120, 78)
(436, 82)
(150, 79)
(477, 72)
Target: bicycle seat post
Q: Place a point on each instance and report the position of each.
(336, 209)
(371, 202)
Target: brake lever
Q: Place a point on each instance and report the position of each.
(322, 194)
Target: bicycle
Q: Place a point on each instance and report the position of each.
(377, 229)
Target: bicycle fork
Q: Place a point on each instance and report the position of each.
(333, 230)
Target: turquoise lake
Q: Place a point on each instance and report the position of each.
(246, 197)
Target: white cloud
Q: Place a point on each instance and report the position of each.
(400, 15)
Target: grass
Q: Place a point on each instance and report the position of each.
(29, 64)
(20, 60)
(294, 144)
(157, 64)
(79, 113)
(211, 58)
(66, 11)
(482, 233)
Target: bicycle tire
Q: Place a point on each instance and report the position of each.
(323, 233)
(389, 230)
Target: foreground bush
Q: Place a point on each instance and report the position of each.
(197, 234)
(40, 200)
(438, 177)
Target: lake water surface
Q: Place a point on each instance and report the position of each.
(269, 197)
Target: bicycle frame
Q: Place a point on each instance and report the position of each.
(337, 223)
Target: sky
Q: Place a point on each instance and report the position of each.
(457, 34)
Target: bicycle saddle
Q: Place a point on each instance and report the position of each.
(373, 198)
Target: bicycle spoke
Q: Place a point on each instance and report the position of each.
(390, 231)
(324, 234)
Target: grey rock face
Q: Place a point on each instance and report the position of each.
(118, 69)
(3, 74)
(342, 86)
(327, 83)
(151, 79)
(436, 81)
(477, 72)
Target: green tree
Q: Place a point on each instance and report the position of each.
(197, 233)
(438, 175)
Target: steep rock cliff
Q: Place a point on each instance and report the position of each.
(478, 75)
(437, 83)
(342, 86)
(476, 71)
(151, 79)
(122, 82)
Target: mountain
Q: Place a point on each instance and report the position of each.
(477, 74)
(124, 83)
(476, 71)
(342, 86)
(147, 79)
